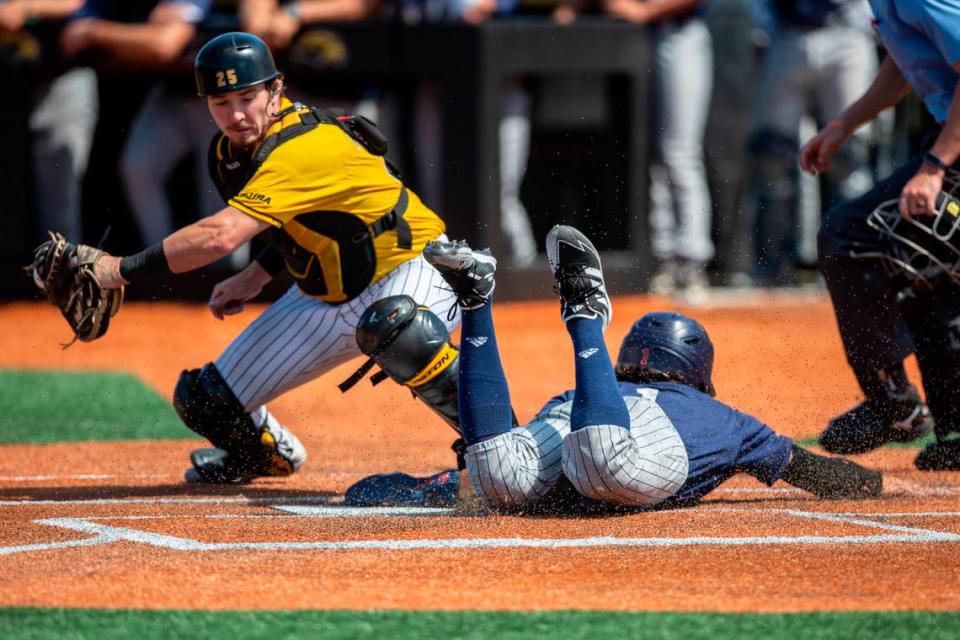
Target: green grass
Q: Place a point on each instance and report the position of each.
(58, 406)
(915, 444)
(77, 624)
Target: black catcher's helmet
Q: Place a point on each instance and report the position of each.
(233, 61)
(923, 252)
(670, 346)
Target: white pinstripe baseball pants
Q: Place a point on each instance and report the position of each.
(639, 467)
(299, 338)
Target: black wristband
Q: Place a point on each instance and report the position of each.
(152, 261)
(271, 261)
(931, 158)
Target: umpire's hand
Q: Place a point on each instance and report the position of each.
(815, 155)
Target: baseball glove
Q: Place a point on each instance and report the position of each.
(65, 273)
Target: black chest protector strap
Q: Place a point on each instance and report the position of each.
(369, 137)
(232, 174)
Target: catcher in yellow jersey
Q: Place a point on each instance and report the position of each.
(315, 184)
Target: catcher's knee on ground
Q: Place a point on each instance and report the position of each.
(251, 444)
(412, 347)
(516, 469)
(604, 462)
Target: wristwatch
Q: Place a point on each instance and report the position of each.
(931, 158)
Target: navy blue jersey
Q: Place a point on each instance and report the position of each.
(720, 441)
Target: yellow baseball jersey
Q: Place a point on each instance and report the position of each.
(324, 192)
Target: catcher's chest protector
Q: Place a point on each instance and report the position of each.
(232, 169)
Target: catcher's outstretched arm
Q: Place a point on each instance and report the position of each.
(194, 246)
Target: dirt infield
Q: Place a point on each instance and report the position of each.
(111, 524)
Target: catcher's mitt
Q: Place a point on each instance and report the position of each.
(65, 273)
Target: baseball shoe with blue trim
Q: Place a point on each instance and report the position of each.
(575, 263)
(469, 272)
(403, 490)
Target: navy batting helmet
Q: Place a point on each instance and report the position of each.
(669, 346)
(233, 61)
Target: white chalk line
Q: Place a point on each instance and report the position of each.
(47, 546)
(125, 476)
(85, 476)
(291, 511)
(106, 534)
(197, 500)
(109, 533)
(365, 512)
(927, 534)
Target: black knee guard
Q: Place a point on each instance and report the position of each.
(208, 406)
(411, 346)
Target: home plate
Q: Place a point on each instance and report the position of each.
(320, 511)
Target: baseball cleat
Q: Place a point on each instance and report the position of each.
(216, 466)
(576, 267)
(877, 421)
(469, 272)
(279, 454)
(943, 455)
(403, 490)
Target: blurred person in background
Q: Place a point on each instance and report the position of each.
(62, 119)
(172, 122)
(821, 57)
(514, 129)
(681, 210)
(278, 22)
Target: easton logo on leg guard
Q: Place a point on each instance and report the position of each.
(477, 341)
(441, 361)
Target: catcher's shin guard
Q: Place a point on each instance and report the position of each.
(245, 448)
(411, 346)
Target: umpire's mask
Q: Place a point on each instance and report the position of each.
(924, 252)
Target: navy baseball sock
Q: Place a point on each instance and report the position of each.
(482, 392)
(597, 399)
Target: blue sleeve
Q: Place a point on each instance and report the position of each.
(941, 21)
(764, 454)
(556, 400)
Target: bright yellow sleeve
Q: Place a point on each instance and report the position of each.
(303, 175)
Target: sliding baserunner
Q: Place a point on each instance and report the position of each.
(646, 432)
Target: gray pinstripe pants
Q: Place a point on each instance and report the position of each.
(638, 467)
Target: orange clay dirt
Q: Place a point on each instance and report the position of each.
(112, 525)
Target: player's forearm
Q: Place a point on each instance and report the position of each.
(49, 9)
(886, 90)
(947, 145)
(150, 42)
(662, 9)
(311, 11)
(209, 239)
(255, 15)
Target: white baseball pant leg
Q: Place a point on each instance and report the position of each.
(299, 338)
(634, 468)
